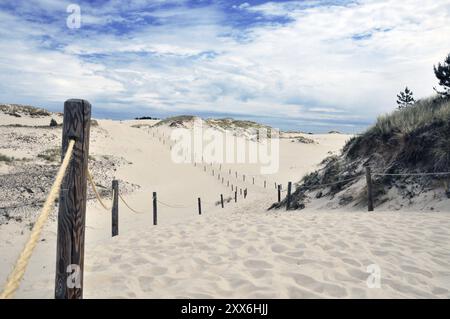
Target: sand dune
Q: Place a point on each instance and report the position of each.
(242, 251)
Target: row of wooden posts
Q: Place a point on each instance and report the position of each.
(72, 201)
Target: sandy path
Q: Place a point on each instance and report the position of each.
(246, 254)
(241, 251)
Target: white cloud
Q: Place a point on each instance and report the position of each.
(330, 62)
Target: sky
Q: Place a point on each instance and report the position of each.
(315, 65)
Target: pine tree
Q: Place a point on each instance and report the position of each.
(442, 72)
(405, 99)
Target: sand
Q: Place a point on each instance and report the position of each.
(243, 250)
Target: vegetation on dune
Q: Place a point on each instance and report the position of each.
(6, 159)
(17, 110)
(414, 139)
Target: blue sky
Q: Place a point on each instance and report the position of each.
(301, 65)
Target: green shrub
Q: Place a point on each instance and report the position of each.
(7, 159)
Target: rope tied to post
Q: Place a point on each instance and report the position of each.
(97, 195)
(126, 204)
(16, 275)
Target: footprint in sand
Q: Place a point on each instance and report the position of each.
(145, 283)
(259, 264)
(415, 270)
(350, 261)
(278, 248)
(158, 271)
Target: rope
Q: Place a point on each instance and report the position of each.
(173, 206)
(134, 211)
(19, 269)
(413, 174)
(91, 181)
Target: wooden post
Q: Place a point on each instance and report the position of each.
(115, 208)
(275, 185)
(221, 199)
(222, 180)
(279, 193)
(253, 181)
(265, 184)
(212, 172)
(240, 191)
(72, 202)
(199, 206)
(235, 196)
(155, 210)
(229, 172)
(288, 202)
(245, 193)
(369, 189)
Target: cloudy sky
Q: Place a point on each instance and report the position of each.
(308, 65)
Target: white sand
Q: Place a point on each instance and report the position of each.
(243, 250)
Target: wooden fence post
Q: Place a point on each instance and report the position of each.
(253, 181)
(279, 193)
(235, 196)
(115, 208)
(199, 206)
(72, 202)
(265, 184)
(288, 202)
(221, 199)
(369, 189)
(245, 193)
(155, 210)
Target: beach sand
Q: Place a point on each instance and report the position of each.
(243, 250)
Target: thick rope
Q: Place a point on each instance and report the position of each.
(19, 269)
(134, 211)
(91, 181)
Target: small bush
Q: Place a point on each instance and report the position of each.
(7, 159)
(51, 155)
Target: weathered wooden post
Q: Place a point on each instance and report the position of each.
(115, 208)
(265, 184)
(155, 210)
(253, 181)
(199, 206)
(245, 193)
(275, 185)
(221, 199)
(288, 202)
(72, 202)
(279, 193)
(235, 196)
(369, 189)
